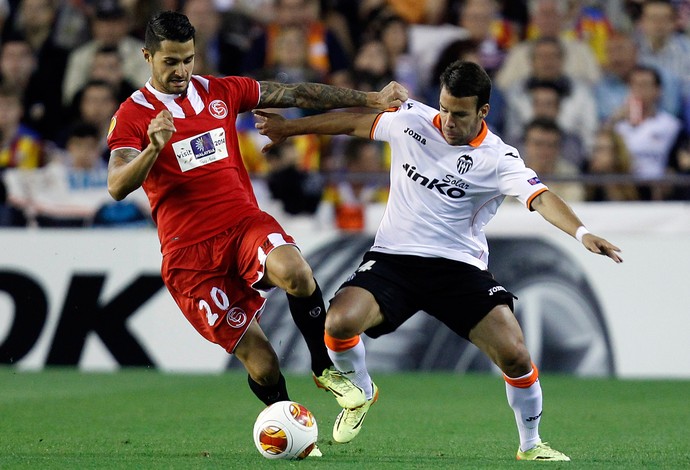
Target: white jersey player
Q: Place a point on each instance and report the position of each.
(449, 174)
(442, 195)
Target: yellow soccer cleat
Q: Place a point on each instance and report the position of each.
(542, 451)
(349, 422)
(346, 393)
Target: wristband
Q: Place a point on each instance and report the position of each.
(581, 232)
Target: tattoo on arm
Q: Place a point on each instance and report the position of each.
(308, 96)
(122, 157)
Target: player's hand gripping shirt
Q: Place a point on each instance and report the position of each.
(441, 195)
(198, 186)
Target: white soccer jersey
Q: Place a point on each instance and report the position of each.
(442, 195)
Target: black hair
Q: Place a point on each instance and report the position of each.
(167, 26)
(545, 124)
(463, 79)
(649, 69)
(558, 86)
(81, 129)
(108, 49)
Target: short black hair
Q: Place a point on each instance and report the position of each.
(81, 129)
(109, 49)
(167, 26)
(653, 71)
(554, 85)
(463, 79)
(544, 124)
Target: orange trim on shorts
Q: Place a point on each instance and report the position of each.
(523, 382)
(340, 345)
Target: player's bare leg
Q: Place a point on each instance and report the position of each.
(352, 311)
(261, 362)
(500, 337)
(288, 270)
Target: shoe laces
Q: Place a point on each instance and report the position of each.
(341, 381)
(353, 415)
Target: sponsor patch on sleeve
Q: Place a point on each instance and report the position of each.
(534, 181)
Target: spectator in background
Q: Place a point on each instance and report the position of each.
(291, 63)
(660, 44)
(17, 63)
(326, 54)
(18, 70)
(610, 157)
(649, 133)
(393, 32)
(35, 22)
(221, 40)
(110, 27)
(545, 100)
(70, 190)
(372, 66)
(107, 67)
(542, 153)
(591, 24)
(494, 36)
(413, 11)
(612, 90)
(20, 147)
(363, 180)
(95, 104)
(298, 190)
(548, 20)
(578, 109)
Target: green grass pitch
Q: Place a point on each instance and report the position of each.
(143, 419)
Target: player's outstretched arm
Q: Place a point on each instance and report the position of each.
(321, 96)
(128, 168)
(557, 212)
(277, 128)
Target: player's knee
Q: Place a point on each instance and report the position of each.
(516, 361)
(340, 325)
(298, 279)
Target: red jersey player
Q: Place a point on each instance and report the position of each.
(176, 137)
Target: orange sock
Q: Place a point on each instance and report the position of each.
(340, 345)
(526, 380)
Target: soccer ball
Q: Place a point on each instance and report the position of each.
(285, 430)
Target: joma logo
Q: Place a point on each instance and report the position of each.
(415, 135)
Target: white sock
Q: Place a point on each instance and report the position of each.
(527, 406)
(352, 364)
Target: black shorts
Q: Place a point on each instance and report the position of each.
(456, 293)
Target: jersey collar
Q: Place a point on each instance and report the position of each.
(476, 142)
(171, 101)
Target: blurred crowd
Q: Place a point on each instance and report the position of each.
(595, 94)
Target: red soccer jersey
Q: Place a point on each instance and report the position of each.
(198, 186)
